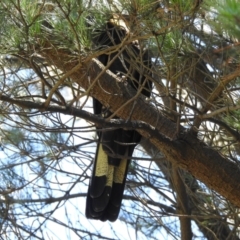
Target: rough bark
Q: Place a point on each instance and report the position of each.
(214, 227)
(181, 148)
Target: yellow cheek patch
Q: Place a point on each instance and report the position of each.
(119, 173)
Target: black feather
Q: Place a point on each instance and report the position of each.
(116, 146)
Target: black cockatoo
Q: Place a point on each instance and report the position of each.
(115, 146)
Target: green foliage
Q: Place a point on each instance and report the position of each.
(182, 5)
(229, 17)
(64, 22)
(48, 154)
(15, 136)
(233, 119)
